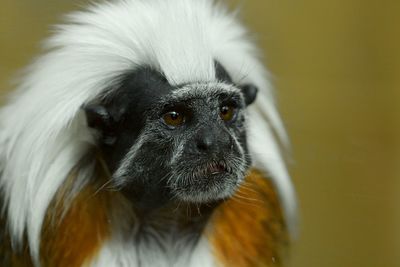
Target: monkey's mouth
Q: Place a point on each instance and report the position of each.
(203, 180)
(212, 168)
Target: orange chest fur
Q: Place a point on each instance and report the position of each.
(248, 230)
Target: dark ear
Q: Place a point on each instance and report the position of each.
(98, 117)
(221, 73)
(249, 92)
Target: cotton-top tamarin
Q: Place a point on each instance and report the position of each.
(145, 136)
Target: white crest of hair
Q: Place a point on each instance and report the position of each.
(43, 133)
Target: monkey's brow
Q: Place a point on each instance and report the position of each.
(165, 104)
(187, 100)
(206, 94)
(185, 96)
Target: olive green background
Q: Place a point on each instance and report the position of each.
(336, 67)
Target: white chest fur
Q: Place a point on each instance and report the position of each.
(152, 253)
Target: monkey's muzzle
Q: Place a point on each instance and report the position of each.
(208, 180)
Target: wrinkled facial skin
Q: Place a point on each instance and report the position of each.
(185, 143)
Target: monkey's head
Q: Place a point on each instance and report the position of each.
(184, 142)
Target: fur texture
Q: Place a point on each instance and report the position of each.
(43, 131)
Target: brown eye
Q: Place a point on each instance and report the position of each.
(227, 113)
(173, 118)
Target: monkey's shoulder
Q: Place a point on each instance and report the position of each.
(249, 229)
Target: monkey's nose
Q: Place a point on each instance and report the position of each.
(212, 141)
(205, 142)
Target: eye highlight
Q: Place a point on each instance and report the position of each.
(227, 112)
(173, 118)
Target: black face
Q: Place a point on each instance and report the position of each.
(162, 142)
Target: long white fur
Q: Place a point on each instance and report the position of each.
(43, 133)
(119, 252)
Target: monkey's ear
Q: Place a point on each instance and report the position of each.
(249, 92)
(98, 117)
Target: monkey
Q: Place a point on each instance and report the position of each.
(175, 130)
(145, 135)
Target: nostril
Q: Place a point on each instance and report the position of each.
(231, 142)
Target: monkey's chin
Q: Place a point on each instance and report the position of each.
(207, 189)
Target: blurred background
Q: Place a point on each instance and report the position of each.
(336, 68)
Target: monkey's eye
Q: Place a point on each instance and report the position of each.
(227, 112)
(173, 118)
